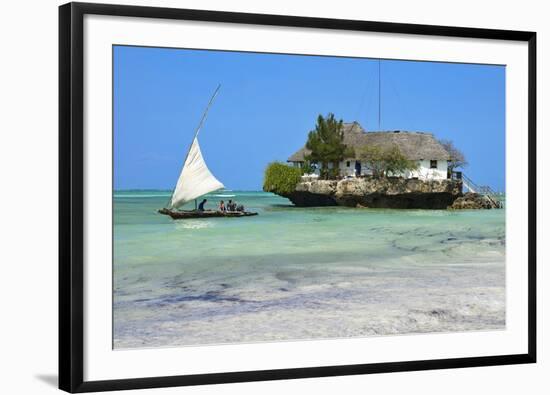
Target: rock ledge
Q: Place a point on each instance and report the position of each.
(473, 201)
(377, 193)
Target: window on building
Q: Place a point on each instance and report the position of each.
(433, 164)
(348, 163)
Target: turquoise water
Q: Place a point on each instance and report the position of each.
(301, 273)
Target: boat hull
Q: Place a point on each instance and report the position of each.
(205, 214)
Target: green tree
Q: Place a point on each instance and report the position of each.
(307, 167)
(396, 163)
(373, 156)
(386, 162)
(326, 145)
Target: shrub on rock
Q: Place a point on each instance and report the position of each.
(281, 179)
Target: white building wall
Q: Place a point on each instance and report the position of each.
(424, 171)
(346, 170)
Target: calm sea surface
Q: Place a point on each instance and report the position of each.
(301, 273)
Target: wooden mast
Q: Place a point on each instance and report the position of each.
(197, 130)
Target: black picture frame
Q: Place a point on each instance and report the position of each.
(71, 195)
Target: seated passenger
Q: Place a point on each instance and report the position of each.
(221, 207)
(201, 205)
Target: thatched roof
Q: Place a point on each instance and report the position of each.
(414, 145)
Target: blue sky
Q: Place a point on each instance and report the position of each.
(268, 103)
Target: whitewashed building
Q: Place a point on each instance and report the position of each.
(423, 148)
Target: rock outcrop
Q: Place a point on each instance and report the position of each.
(377, 193)
(473, 201)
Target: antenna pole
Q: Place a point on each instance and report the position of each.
(379, 94)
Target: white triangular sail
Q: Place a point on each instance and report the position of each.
(195, 178)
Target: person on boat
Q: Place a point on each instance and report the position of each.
(231, 206)
(201, 205)
(221, 206)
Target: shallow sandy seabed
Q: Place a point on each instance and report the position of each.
(291, 273)
(355, 303)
